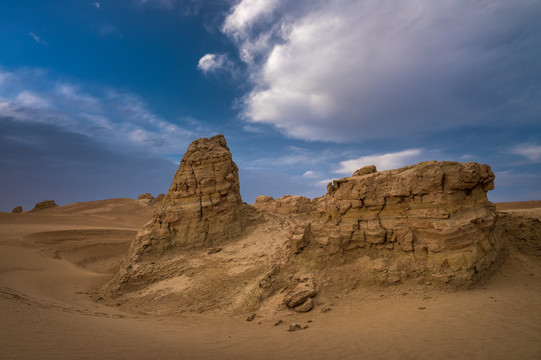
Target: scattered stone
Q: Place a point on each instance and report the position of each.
(326, 309)
(294, 327)
(17, 210)
(278, 322)
(44, 205)
(250, 317)
(306, 306)
(309, 321)
(300, 294)
(214, 250)
(422, 308)
(305, 327)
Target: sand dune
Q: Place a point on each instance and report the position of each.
(51, 261)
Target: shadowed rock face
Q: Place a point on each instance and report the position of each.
(44, 205)
(17, 210)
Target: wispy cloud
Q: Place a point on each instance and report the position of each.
(120, 119)
(382, 161)
(37, 38)
(97, 5)
(530, 151)
(212, 63)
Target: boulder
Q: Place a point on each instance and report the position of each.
(17, 210)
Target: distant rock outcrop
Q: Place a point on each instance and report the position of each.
(17, 210)
(44, 205)
(146, 196)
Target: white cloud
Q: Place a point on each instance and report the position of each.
(37, 39)
(345, 70)
(530, 151)
(97, 5)
(210, 63)
(245, 13)
(310, 174)
(29, 99)
(382, 161)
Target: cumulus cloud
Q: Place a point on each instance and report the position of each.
(345, 70)
(530, 151)
(382, 161)
(246, 13)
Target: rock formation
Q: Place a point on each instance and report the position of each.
(426, 223)
(146, 196)
(285, 205)
(17, 210)
(44, 205)
(203, 208)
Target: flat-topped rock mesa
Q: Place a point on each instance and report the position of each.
(434, 215)
(44, 205)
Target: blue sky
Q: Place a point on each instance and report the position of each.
(101, 99)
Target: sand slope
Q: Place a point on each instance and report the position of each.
(52, 260)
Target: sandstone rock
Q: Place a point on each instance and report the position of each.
(44, 205)
(370, 169)
(17, 210)
(436, 210)
(203, 208)
(306, 306)
(300, 294)
(300, 238)
(160, 197)
(285, 205)
(146, 196)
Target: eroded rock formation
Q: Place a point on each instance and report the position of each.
(203, 208)
(17, 210)
(44, 205)
(427, 223)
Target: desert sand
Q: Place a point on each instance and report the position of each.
(51, 262)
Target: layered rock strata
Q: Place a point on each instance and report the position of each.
(433, 217)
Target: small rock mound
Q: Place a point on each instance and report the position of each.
(370, 169)
(17, 210)
(146, 196)
(44, 205)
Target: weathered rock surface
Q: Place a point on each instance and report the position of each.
(433, 217)
(285, 205)
(146, 196)
(44, 205)
(204, 249)
(203, 208)
(17, 210)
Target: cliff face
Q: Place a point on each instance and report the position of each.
(435, 213)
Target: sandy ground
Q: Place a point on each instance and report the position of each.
(50, 262)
